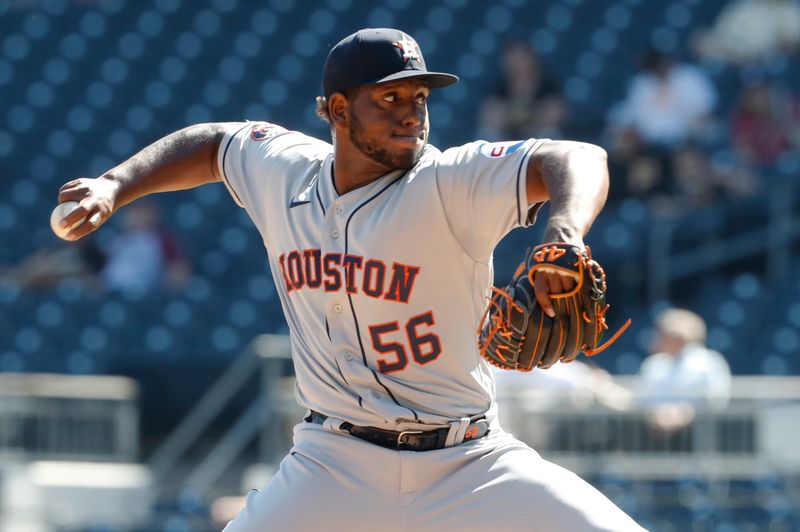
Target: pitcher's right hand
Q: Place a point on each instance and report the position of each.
(96, 197)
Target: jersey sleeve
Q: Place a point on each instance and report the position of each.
(253, 155)
(484, 192)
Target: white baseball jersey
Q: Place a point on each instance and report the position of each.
(383, 287)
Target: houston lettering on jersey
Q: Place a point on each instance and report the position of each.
(355, 274)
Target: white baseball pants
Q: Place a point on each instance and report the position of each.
(335, 482)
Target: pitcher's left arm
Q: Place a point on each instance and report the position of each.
(573, 176)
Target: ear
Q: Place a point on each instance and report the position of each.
(338, 104)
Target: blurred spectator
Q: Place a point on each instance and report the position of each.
(526, 102)
(643, 175)
(751, 30)
(699, 183)
(682, 373)
(680, 180)
(765, 123)
(667, 104)
(561, 388)
(575, 384)
(144, 256)
(81, 261)
(696, 185)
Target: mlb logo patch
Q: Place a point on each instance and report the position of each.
(494, 150)
(265, 131)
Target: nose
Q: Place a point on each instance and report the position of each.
(412, 120)
(413, 115)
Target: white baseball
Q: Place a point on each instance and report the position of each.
(61, 210)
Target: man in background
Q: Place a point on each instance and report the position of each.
(682, 373)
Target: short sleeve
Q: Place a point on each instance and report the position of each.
(251, 153)
(484, 191)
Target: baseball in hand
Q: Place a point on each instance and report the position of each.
(61, 210)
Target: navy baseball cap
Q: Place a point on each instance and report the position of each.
(377, 55)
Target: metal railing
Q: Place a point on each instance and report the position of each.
(269, 358)
(64, 417)
(270, 416)
(773, 239)
(580, 431)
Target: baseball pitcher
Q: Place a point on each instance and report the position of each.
(380, 246)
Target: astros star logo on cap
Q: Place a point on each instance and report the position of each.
(409, 47)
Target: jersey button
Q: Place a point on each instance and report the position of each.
(335, 233)
(337, 308)
(348, 356)
(337, 209)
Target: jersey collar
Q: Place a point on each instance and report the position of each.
(328, 194)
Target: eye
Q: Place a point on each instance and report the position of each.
(422, 98)
(391, 98)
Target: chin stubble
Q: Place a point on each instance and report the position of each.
(377, 153)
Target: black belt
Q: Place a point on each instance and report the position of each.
(407, 440)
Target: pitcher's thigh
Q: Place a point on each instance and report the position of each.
(554, 498)
(515, 489)
(305, 495)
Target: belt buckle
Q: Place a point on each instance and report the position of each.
(404, 433)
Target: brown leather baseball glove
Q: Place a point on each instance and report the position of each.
(515, 333)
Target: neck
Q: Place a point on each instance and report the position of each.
(353, 170)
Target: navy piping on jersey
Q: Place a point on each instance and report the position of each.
(353, 308)
(224, 154)
(329, 385)
(360, 404)
(342, 375)
(519, 174)
(316, 190)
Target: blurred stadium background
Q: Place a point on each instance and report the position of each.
(123, 408)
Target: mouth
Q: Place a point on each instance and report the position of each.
(410, 138)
